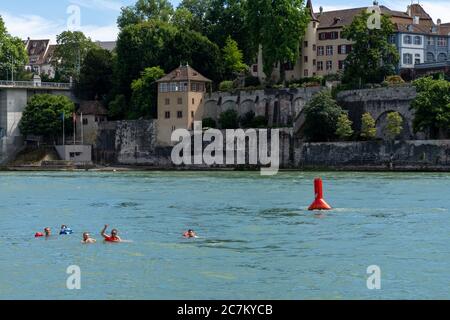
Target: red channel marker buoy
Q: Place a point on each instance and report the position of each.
(319, 203)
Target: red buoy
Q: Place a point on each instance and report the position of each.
(319, 203)
(38, 235)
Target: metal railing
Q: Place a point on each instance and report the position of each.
(35, 84)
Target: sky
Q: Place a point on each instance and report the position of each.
(44, 19)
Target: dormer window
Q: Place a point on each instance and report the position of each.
(416, 20)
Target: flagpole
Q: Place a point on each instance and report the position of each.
(64, 130)
(74, 128)
(82, 129)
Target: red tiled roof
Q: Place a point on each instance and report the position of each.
(184, 73)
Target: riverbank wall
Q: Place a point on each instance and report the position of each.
(133, 143)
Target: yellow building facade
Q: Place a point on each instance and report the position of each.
(180, 102)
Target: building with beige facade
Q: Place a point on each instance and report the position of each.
(180, 101)
(324, 49)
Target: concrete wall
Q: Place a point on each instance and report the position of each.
(379, 102)
(130, 143)
(280, 106)
(401, 155)
(75, 153)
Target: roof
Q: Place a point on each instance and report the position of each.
(184, 73)
(107, 45)
(92, 107)
(417, 10)
(36, 50)
(49, 54)
(311, 11)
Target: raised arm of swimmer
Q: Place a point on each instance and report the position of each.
(114, 237)
(103, 233)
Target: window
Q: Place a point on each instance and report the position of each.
(407, 40)
(193, 101)
(392, 38)
(174, 87)
(167, 101)
(407, 58)
(329, 50)
(418, 40)
(319, 65)
(163, 87)
(180, 100)
(167, 115)
(255, 68)
(442, 42)
(314, 47)
(192, 114)
(320, 50)
(180, 114)
(430, 57)
(329, 35)
(442, 57)
(305, 44)
(194, 87)
(329, 65)
(85, 121)
(341, 64)
(314, 62)
(305, 73)
(305, 58)
(430, 41)
(314, 24)
(417, 58)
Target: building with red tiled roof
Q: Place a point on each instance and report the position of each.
(40, 53)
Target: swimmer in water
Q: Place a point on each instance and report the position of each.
(87, 238)
(190, 234)
(47, 232)
(65, 230)
(110, 238)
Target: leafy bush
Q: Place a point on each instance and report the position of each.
(251, 81)
(209, 123)
(246, 120)
(229, 119)
(344, 127)
(226, 86)
(368, 129)
(259, 122)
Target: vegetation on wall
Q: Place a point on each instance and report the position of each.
(368, 128)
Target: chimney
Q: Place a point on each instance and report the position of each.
(438, 22)
(320, 10)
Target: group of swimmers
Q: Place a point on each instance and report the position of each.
(87, 239)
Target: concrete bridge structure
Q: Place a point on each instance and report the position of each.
(14, 96)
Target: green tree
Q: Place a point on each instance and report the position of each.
(96, 74)
(344, 127)
(43, 115)
(232, 58)
(278, 26)
(368, 128)
(118, 107)
(70, 53)
(145, 93)
(183, 19)
(13, 55)
(246, 121)
(394, 125)
(372, 57)
(432, 106)
(145, 10)
(229, 119)
(209, 123)
(321, 117)
(198, 9)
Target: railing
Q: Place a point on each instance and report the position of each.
(35, 84)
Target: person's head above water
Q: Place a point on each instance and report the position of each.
(63, 226)
(47, 231)
(190, 234)
(114, 232)
(86, 236)
(114, 237)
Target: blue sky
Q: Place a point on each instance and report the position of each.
(41, 19)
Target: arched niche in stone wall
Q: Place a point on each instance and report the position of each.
(247, 106)
(381, 123)
(228, 105)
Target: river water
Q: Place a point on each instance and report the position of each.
(257, 240)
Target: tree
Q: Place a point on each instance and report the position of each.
(209, 123)
(43, 115)
(229, 119)
(246, 121)
(13, 55)
(278, 26)
(321, 117)
(394, 125)
(372, 57)
(183, 19)
(117, 108)
(368, 128)
(198, 9)
(232, 58)
(145, 10)
(432, 106)
(96, 74)
(70, 53)
(145, 93)
(344, 126)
